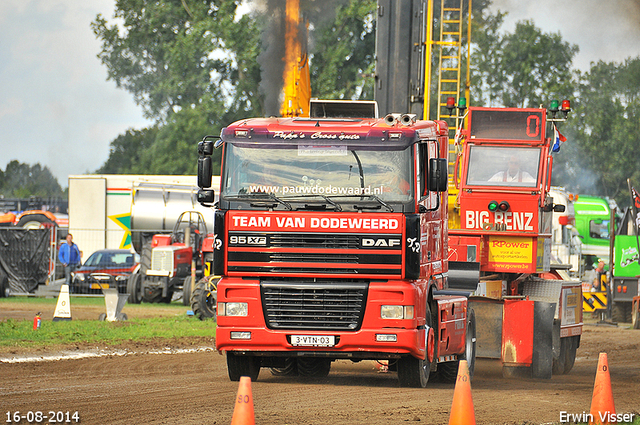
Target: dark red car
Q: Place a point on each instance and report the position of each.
(105, 268)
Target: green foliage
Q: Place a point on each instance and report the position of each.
(191, 66)
(126, 152)
(163, 52)
(343, 68)
(604, 128)
(524, 69)
(23, 181)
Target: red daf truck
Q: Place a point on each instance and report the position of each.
(529, 311)
(331, 240)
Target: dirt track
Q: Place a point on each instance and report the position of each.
(193, 388)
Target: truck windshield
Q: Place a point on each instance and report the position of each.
(503, 166)
(321, 174)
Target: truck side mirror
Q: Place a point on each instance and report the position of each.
(204, 172)
(438, 177)
(205, 147)
(206, 196)
(558, 208)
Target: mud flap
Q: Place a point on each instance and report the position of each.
(542, 356)
(464, 275)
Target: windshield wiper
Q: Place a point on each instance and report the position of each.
(361, 207)
(336, 206)
(255, 196)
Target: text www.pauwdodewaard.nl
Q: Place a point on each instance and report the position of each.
(320, 190)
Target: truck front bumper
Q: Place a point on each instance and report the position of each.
(363, 344)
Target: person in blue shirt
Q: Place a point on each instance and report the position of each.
(69, 255)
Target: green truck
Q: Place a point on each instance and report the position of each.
(592, 221)
(626, 271)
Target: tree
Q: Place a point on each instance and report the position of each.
(604, 129)
(193, 67)
(24, 181)
(126, 151)
(343, 68)
(525, 68)
(170, 54)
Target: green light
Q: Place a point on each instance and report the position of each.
(553, 107)
(462, 103)
(493, 206)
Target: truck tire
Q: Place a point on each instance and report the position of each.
(34, 221)
(621, 312)
(558, 364)
(4, 285)
(153, 294)
(571, 351)
(313, 367)
(238, 366)
(448, 371)
(134, 287)
(414, 372)
(205, 298)
(290, 368)
(145, 258)
(186, 291)
(470, 343)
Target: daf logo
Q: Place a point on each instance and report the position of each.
(382, 242)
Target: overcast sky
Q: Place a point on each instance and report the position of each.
(57, 109)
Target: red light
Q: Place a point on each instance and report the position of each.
(566, 106)
(451, 102)
(504, 206)
(563, 220)
(624, 289)
(619, 289)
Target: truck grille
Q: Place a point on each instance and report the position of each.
(162, 259)
(320, 306)
(315, 240)
(352, 255)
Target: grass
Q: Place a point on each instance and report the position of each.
(16, 333)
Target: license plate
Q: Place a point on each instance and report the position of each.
(99, 285)
(313, 340)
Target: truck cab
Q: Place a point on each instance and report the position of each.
(331, 241)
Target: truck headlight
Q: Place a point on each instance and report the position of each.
(233, 309)
(79, 276)
(396, 312)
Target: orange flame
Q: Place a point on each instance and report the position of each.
(297, 83)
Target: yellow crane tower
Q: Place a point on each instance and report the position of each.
(453, 94)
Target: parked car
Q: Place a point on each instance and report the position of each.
(105, 268)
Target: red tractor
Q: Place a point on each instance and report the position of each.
(178, 261)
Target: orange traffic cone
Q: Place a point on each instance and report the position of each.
(243, 412)
(602, 408)
(462, 412)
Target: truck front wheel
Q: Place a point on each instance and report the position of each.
(134, 287)
(414, 372)
(314, 367)
(204, 298)
(238, 366)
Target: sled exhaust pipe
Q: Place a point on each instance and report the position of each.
(408, 119)
(391, 119)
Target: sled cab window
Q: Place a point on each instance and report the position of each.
(503, 166)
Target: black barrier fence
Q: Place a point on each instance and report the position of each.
(25, 257)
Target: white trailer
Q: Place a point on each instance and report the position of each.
(566, 246)
(101, 205)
